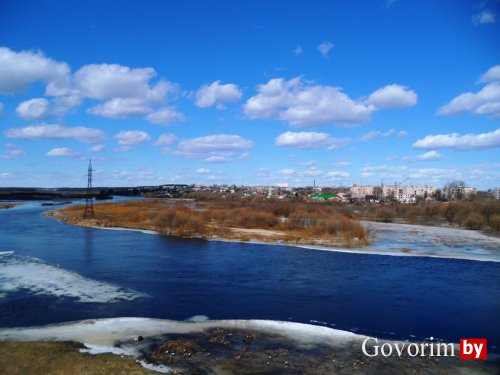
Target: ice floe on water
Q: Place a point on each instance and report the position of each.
(37, 277)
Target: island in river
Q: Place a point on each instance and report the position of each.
(302, 223)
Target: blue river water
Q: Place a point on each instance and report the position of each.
(59, 273)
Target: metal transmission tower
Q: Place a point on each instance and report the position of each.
(89, 204)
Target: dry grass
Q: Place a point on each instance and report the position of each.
(291, 222)
(62, 358)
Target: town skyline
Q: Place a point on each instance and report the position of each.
(326, 92)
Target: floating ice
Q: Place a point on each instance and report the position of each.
(25, 273)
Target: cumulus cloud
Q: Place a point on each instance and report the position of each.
(34, 109)
(47, 131)
(18, 70)
(493, 74)
(310, 140)
(126, 92)
(484, 102)
(65, 152)
(215, 148)
(325, 47)
(459, 142)
(203, 171)
(216, 94)
(302, 104)
(427, 156)
(166, 139)
(106, 81)
(129, 138)
(165, 116)
(393, 96)
(11, 152)
(484, 17)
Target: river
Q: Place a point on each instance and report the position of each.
(51, 272)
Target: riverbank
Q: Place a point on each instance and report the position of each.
(222, 347)
(225, 223)
(385, 238)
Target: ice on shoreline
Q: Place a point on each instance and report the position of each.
(102, 333)
(26, 273)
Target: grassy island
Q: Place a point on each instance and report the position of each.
(297, 222)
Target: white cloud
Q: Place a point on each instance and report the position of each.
(47, 131)
(393, 96)
(325, 47)
(217, 94)
(121, 108)
(97, 148)
(127, 92)
(427, 156)
(203, 171)
(484, 102)
(484, 17)
(166, 139)
(493, 74)
(64, 151)
(34, 109)
(215, 148)
(456, 141)
(165, 116)
(298, 50)
(304, 105)
(18, 70)
(107, 81)
(309, 140)
(376, 134)
(130, 138)
(11, 151)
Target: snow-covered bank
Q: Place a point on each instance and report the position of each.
(108, 332)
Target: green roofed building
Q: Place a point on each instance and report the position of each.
(322, 197)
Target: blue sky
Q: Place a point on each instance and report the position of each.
(257, 92)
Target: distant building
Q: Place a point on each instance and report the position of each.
(496, 193)
(360, 191)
